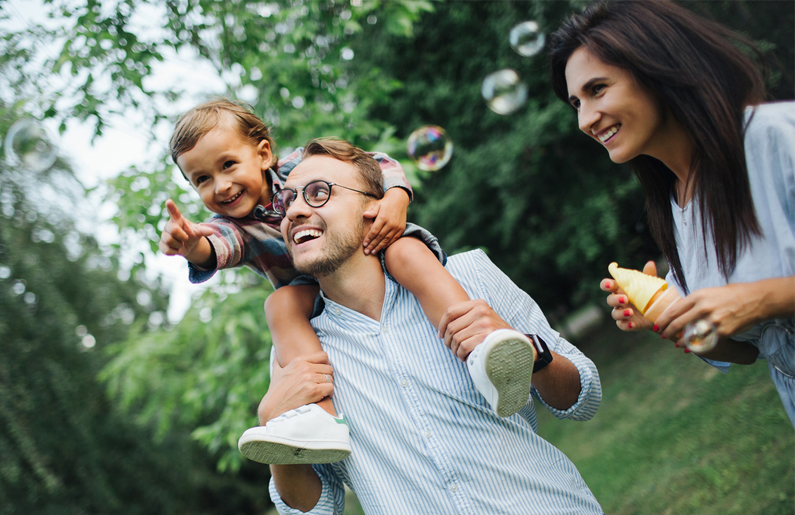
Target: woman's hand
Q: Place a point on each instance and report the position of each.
(627, 316)
(390, 220)
(733, 308)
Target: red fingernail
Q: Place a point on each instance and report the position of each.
(655, 328)
(626, 312)
(631, 325)
(621, 300)
(608, 284)
(687, 350)
(676, 345)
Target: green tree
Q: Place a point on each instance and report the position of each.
(64, 300)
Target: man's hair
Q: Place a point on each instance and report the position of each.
(370, 172)
(693, 69)
(205, 117)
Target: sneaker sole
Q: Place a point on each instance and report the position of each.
(286, 453)
(509, 367)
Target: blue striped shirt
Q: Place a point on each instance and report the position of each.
(423, 439)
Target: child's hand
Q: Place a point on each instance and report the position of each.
(181, 236)
(390, 220)
(627, 317)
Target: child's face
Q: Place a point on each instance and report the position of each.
(228, 172)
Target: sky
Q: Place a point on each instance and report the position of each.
(124, 144)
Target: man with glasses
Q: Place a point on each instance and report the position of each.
(423, 439)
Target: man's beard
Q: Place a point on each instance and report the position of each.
(339, 247)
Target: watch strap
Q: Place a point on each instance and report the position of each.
(543, 355)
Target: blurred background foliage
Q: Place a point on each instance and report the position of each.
(109, 408)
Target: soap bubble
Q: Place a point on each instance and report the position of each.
(430, 148)
(526, 39)
(700, 336)
(29, 146)
(504, 91)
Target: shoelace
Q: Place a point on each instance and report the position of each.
(290, 414)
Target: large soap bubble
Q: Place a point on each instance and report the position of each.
(430, 148)
(504, 91)
(29, 145)
(526, 39)
(700, 336)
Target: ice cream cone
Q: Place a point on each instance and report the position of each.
(660, 303)
(639, 287)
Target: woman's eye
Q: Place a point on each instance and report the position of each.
(575, 104)
(227, 164)
(598, 88)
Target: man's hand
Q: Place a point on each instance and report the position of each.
(390, 220)
(181, 237)
(465, 325)
(301, 382)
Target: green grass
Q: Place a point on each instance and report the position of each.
(675, 436)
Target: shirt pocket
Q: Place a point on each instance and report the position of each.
(440, 369)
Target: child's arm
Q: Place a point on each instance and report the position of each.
(185, 238)
(417, 269)
(287, 311)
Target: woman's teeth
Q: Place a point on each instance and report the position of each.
(608, 133)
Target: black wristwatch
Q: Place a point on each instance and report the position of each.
(544, 356)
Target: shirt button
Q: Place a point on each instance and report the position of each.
(385, 329)
(453, 487)
(337, 311)
(428, 434)
(404, 383)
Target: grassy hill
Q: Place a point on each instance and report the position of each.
(675, 436)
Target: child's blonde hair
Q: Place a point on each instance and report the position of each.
(205, 117)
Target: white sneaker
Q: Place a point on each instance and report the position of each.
(502, 368)
(304, 435)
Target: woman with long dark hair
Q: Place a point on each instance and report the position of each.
(671, 94)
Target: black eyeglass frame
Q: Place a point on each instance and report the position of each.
(282, 211)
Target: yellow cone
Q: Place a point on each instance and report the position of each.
(639, 287)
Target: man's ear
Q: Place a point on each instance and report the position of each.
(372, 209)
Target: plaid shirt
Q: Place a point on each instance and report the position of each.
(256, 241)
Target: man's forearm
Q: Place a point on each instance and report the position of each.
(298, 485)
(558, 383)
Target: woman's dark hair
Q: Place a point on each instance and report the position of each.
(704, 81)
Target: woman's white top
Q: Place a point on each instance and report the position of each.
(770, 155)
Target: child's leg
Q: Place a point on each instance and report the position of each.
(417, 269)
(287, 311)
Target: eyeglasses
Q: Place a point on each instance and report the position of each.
(316, 194)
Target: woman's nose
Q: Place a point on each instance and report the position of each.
(587, 117)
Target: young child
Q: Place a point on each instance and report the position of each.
(226, 153)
